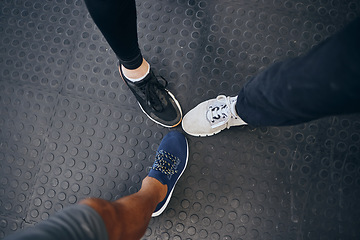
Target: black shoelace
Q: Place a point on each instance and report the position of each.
(151, 89)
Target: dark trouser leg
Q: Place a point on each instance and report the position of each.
(116, 19)
(324, 82)
(94, 218)
(74, 223)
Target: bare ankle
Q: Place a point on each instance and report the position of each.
(110, 213)
(138, 73)
(149, 184)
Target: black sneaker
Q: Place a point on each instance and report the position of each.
(155, 100)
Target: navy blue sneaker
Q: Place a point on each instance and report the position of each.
(170, 162)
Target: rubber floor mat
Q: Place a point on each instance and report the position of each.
(71, 129)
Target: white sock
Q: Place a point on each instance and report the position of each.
(138, 79)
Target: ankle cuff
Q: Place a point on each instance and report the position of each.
(133, 63)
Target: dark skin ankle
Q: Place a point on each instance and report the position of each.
(128, 217)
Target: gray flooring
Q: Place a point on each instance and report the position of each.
(70, 129)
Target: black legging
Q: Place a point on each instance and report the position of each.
(116, 19)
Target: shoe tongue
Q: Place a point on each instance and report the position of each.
(218, 115)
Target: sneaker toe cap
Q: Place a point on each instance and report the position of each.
(175, 143)
(195, 122)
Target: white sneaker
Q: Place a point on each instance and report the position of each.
(211, 117)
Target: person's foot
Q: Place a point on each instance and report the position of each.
(155, 100)
(212, 116)
(170, 162)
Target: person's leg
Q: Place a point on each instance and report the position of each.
(116, 19)
(324, 82)
(94, 218)
(77, 222)
(127, 217)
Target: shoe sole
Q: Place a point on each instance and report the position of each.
(207, 135)
(200, 135)
(161, 124)
(203, 135)
(162, 209)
